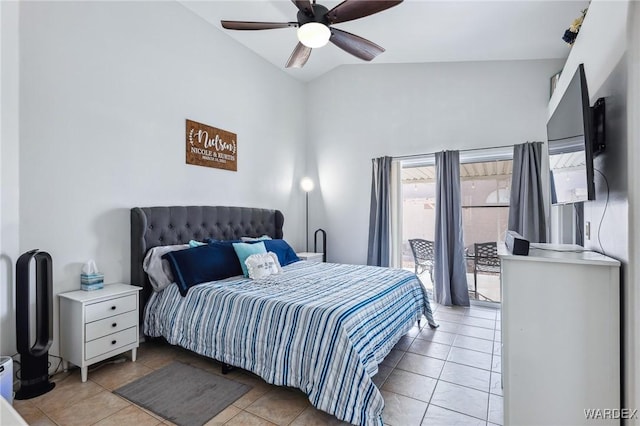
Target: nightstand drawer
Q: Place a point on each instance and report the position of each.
(110, 342)
(110, 325)
(109, 308)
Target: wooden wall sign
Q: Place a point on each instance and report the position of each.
(211, 147)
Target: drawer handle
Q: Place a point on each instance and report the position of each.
(113, 308)
(115, 324)
(113, 342)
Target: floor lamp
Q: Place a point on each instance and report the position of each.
(307, 186)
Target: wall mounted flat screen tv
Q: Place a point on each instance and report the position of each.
(575, 132)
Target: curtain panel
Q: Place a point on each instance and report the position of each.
(450, 271)
(379, 247)
(526, 205)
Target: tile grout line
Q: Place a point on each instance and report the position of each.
(434, 387)
(459, 412)
(491, 374)
(488, 393)
(113, 414)
(438, 380)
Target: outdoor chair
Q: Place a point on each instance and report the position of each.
(485, 260)
(422, 256)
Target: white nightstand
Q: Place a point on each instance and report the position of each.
(310, 257)
(98, 324)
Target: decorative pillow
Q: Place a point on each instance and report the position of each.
(210, 262)
(194, 243)
(262, 265)
(283, 250)
(157, 269)
(226, 250)
(249, 239)
(244, 250)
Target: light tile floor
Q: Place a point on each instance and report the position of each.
(432, 377)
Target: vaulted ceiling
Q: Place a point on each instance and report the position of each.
(415, 31)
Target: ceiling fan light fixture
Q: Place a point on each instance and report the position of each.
(314, 22)
(314, 34)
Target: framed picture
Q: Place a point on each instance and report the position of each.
(211, 147)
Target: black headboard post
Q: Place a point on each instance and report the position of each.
(161, 226)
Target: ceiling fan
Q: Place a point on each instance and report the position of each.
(314, 28)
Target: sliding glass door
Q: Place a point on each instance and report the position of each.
(485, 188)
(485, 180)
(418, 187)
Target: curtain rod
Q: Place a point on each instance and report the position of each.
(408, 157)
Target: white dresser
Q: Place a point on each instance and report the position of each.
(560, 335)
(96, 325)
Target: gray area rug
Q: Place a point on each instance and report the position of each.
(185, 395)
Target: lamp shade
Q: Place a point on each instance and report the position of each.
(314, 34)
(306, 184)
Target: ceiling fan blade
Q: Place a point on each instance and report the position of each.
(304, 6)
(244, 25)
(299, 56)
(357, 46)
(349, 10)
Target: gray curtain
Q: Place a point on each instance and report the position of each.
(450, 271)
(526, 205)
(379, 252)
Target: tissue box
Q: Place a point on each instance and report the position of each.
(91, 281)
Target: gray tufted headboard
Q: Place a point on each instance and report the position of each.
(162, 226)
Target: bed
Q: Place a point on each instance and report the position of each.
(320, 327)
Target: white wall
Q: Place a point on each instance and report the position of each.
(9, 165)
(600, 44)
(105, 88)
(607, 45)
(632, 300)
(361, 112)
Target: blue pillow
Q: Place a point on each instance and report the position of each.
(283, 250)
(244, 250)
(202, 264)
(194, 243)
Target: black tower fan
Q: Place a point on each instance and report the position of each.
(34, 360)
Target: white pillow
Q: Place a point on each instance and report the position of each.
(252, 239)
(157, 269)
(262, 265)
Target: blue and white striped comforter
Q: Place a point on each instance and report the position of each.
(320, 327)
